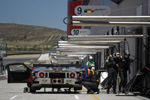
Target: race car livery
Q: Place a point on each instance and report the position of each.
(38, 76)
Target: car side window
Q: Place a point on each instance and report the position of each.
(19, 68)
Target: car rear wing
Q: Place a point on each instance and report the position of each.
(57, 65)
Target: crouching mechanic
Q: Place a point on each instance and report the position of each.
(92, 81)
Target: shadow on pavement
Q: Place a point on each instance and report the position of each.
(126, 95)
(56, 92)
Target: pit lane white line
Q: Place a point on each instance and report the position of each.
(13, 97)
(76, 97)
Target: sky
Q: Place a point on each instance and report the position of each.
(48, 13)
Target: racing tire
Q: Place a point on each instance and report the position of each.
(98, 91)
(32, 90)
(76, 91)
(25, 90)
(78, 88)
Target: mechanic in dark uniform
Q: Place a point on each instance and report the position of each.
(120, 69)
(1, 64)
(112, 75)
(91, 81)
(126, 61)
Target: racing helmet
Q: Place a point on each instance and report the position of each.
(90, 57)
(117, 54)
(114, 55)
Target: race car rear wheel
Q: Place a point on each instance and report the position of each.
(32, 90)
(78, 88)
(25, 90)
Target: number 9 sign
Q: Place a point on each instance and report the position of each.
(92, 10)
(78, 10)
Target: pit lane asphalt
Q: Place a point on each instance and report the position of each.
(15, 92)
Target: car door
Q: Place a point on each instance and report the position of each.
(18, 72)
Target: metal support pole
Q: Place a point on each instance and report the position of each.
(145, 55)
(144, 51)
(107, 23)
(144, 44)
(103, 36)
(111, 18)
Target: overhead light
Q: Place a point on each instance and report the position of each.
(95, 23)
(73, 43)
(111, 18)
(103, 36)
(76, 55)
(88, 40)
(73, 53)
(85, 47)
(77, 50)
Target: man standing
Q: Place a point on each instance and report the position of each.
(112, 75)
(120, 69)
(126, 67)
(1, 64)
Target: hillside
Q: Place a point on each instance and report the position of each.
(28, 37)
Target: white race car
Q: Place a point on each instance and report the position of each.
(46, 76)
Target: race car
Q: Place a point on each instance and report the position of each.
(40, 76)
